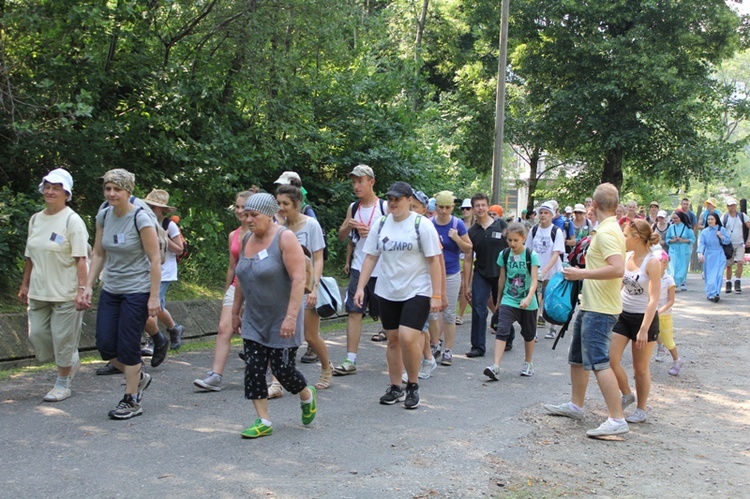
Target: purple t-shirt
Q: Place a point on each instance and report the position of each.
(451, 250)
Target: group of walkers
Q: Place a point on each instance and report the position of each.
(408, 269)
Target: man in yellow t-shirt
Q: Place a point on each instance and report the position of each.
(601, 305)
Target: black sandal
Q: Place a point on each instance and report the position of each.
(379, 336)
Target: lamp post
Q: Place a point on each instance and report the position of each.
(497, 154)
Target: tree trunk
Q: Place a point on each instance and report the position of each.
(418, 54)
(613, 168)
(533, 178)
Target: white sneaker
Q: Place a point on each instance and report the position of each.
(627, 400)
(639, 416)
(564, 410)
(425, 370)
(608, 428)
(527, 369)
(661, 353)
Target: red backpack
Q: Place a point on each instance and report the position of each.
(577, 257)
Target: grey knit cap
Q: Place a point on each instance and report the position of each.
(262, 203)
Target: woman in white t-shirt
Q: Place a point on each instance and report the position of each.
(310, 236)
(54, 280)
(408, 287)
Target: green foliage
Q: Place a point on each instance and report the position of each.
(15, 211)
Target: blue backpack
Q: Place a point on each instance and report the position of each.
(560, 299)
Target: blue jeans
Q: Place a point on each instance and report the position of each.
(589, 347)
(481, 289)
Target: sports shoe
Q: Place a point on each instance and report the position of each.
(474, 352)
(459, 320)
(392, 395)
(175, 336)
(627, 400)
(160, 351)
(661, 353)
(309, 357)
(540, 321)
(142, 385)
(275, 390)
(492, 372)
(126, 409)
(425, 370)
(412, 396)
(258, 429)
(346, 367)
(107, 370)
(57, 394)
(564, 410)
(527, 369)
(551, 334)
(738, 287)
(447, 359)
(638, 416)
(608, 428)
(729, 287)
(310, 409)
(676, 366)
(435, 350)
(212, 382)
(147, 349)
(683, 287)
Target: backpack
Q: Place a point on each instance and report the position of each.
(416, 229)
(185, 245)
(161, 234)
(354, 233)
(577, 256)
(552, 233)
(743, 220)
(506, 257)
(560, 298)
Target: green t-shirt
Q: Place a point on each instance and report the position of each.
(518, 279)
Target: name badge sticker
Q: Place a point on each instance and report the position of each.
(56, 238)
(119, 239)
(497, 235)
(262, 254)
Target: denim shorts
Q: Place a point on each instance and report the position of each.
(589, 347)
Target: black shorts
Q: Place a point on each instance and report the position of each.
(370, 300)
(412, 313)
(507, 315)
(628, 325)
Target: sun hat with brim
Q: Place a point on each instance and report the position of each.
(399, 190)
(286, 178)
(59, 176)
(466, 203)
(362, 171)
(579, 208)
(262, 203)
(654, 203)
(547, 206)
(160, 198)
(121, 178)
(711, 201)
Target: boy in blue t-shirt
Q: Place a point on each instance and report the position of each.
(517, 288)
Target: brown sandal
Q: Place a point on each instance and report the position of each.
(380, 336)
(325, 377)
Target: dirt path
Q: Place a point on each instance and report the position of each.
(470, 437)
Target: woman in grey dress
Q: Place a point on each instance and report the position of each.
(271, 276)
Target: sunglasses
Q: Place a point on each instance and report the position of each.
(465, 209)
